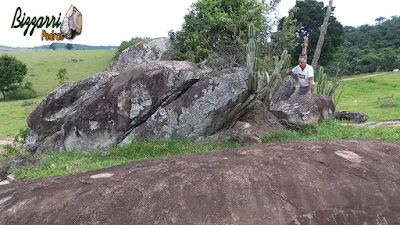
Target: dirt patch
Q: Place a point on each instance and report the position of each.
(392, 123)
(312, 182)
(4, 142)
(362, 77)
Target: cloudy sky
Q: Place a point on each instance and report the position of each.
(111, 22)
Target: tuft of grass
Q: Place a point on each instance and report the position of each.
(389, 104)
(334, 129)
(62, 163)
(371, 80)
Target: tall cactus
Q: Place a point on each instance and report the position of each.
(324, 86)
(253, 60)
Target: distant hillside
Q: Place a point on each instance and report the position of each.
(78, 47)
(57, 46)
(11, 49)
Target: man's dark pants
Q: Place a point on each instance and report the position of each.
(304, 90)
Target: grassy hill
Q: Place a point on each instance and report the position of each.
(56, 46)
(378, 96)
(42, 69)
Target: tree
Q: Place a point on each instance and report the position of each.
(68, 46)
(321, 39)
(285, 36)
(309, 19)
(12, 71)
(380, 19)
(62, 76)
(52, 46)
(221, 27)
(367, 47)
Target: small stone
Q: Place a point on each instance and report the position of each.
(4, 182)
(102, 175)
(11, 178)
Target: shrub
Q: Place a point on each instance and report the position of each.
(22, 92)
(12, 73)
(62, 76)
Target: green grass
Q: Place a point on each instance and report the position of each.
(378, 97)
(61, 163)
(13, 115)
(45, 65)
(333, 129)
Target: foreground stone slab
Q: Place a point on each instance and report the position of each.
(316, 182)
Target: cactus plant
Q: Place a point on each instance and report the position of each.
(253, 60)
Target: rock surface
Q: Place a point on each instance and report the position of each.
(148, 50)
(300, 183)
(286, 90)
(156, 99)
(303, 109)
(353, 116)
(4, 171)
(250, 128)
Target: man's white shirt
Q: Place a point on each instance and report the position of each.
(304, 75)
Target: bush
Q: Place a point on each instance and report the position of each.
(12, 72)
(126, 44)
(21, 136)
(62, 76)
(389, 104)
(221, 27)
(22, 92)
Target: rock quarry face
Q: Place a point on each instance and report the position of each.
(156, 99)
(303, 110)
(148, 50)
(300, 183)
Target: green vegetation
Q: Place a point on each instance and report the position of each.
(42, 67)
(307, 17)
(378, 97)
(69, 46)
(62, 76)
(333, 129)
(12, 73)
(221, 27)
(370, 48)
(59, 163)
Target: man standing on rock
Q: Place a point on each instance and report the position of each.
(305, 74)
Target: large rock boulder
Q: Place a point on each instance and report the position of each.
(301, 183)
(250, 128)
(156, 99)
(356, 117)
(287, 88)
(303, 109)
(148, 50)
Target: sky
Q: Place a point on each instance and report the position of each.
(111, 22)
